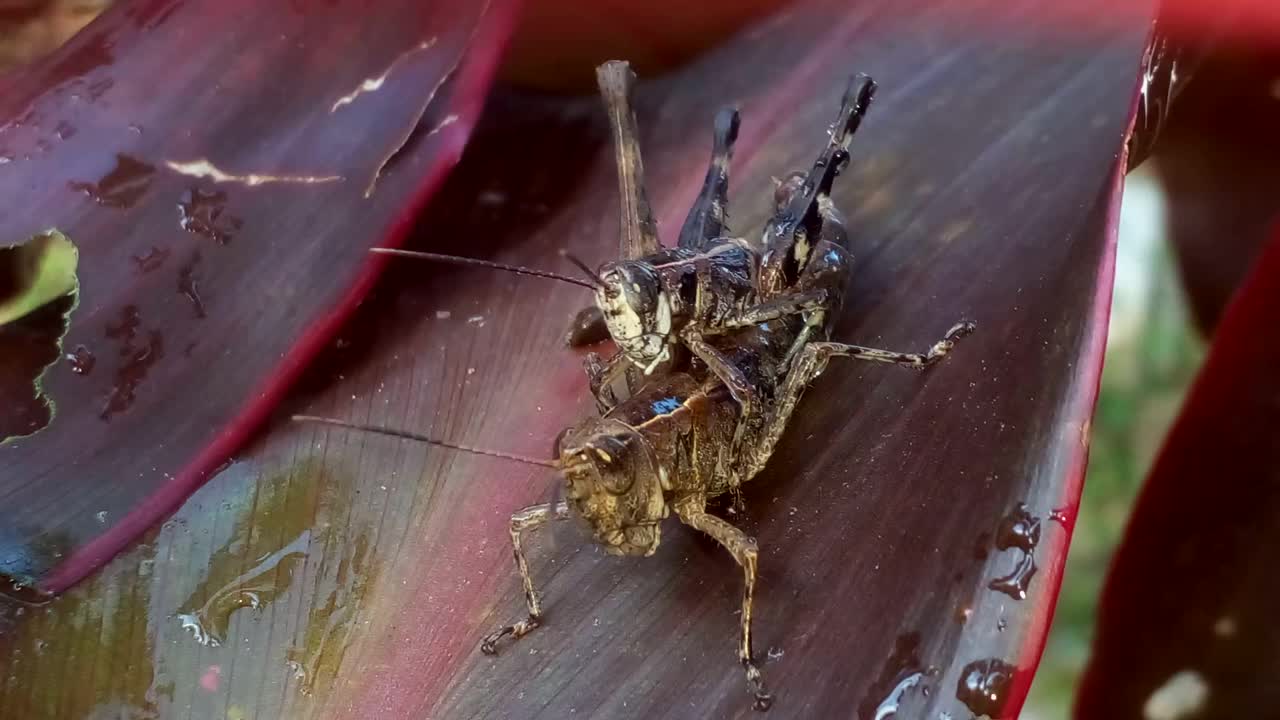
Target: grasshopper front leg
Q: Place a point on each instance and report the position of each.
(529, 518)
(742, 547)
(724, 370)
(742, 391)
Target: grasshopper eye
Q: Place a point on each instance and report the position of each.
(610, 457)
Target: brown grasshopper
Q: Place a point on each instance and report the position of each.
(664, 449)
(681, 438)
(656, 302)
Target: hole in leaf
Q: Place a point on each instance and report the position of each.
(38, 291)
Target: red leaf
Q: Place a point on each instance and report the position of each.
(222, 167)
(1190, 596)
(1220, 170)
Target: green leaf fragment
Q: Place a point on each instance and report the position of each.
(40, 271)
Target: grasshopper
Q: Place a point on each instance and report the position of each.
(681, 438)
(663, 449)
(655, 302)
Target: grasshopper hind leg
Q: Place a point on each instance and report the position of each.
(812, 361)
(527, 519)
(709, 215)
(743, 549)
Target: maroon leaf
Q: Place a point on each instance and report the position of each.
(1187, 620)
(984, 184)
(222, 167)
(1220, 171)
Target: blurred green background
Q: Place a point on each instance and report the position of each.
(1153, 352)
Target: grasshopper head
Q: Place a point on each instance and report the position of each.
(613, 482)
(637, 311)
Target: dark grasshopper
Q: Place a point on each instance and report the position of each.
(657, 302)
(665, 448)
(680, 438)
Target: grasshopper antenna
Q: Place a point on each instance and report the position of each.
(380, 430)
(639, 229)
(586, 269)
(456, 260)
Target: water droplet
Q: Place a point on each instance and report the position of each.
(332, 625)
(889, 706)
(127, 328)
(886, 690)
(64, 130)
(1020, 531)
(1059, 516)
(984, 686)
(138, 362)
(81, 360)
(254, 588)
(188, 286)
(202, 213)
(152, 259)
(122, 187)
(25, 594)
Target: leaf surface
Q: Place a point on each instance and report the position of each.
(984, 184)
(222, 168)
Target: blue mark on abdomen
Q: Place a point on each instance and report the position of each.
(666, 405)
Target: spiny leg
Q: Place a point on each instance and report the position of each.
(919, 361)
(612, 381)
(810, 363)
(527, 519)
(639, 229)
(743, 549)
(792, 303)
(706, 221)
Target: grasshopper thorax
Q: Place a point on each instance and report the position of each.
(637, 311)
(612, 481)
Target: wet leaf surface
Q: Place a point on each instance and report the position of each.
(222, 179)
(984, 184)
(1187, 620)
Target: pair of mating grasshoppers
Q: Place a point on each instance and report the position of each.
(718, 337)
